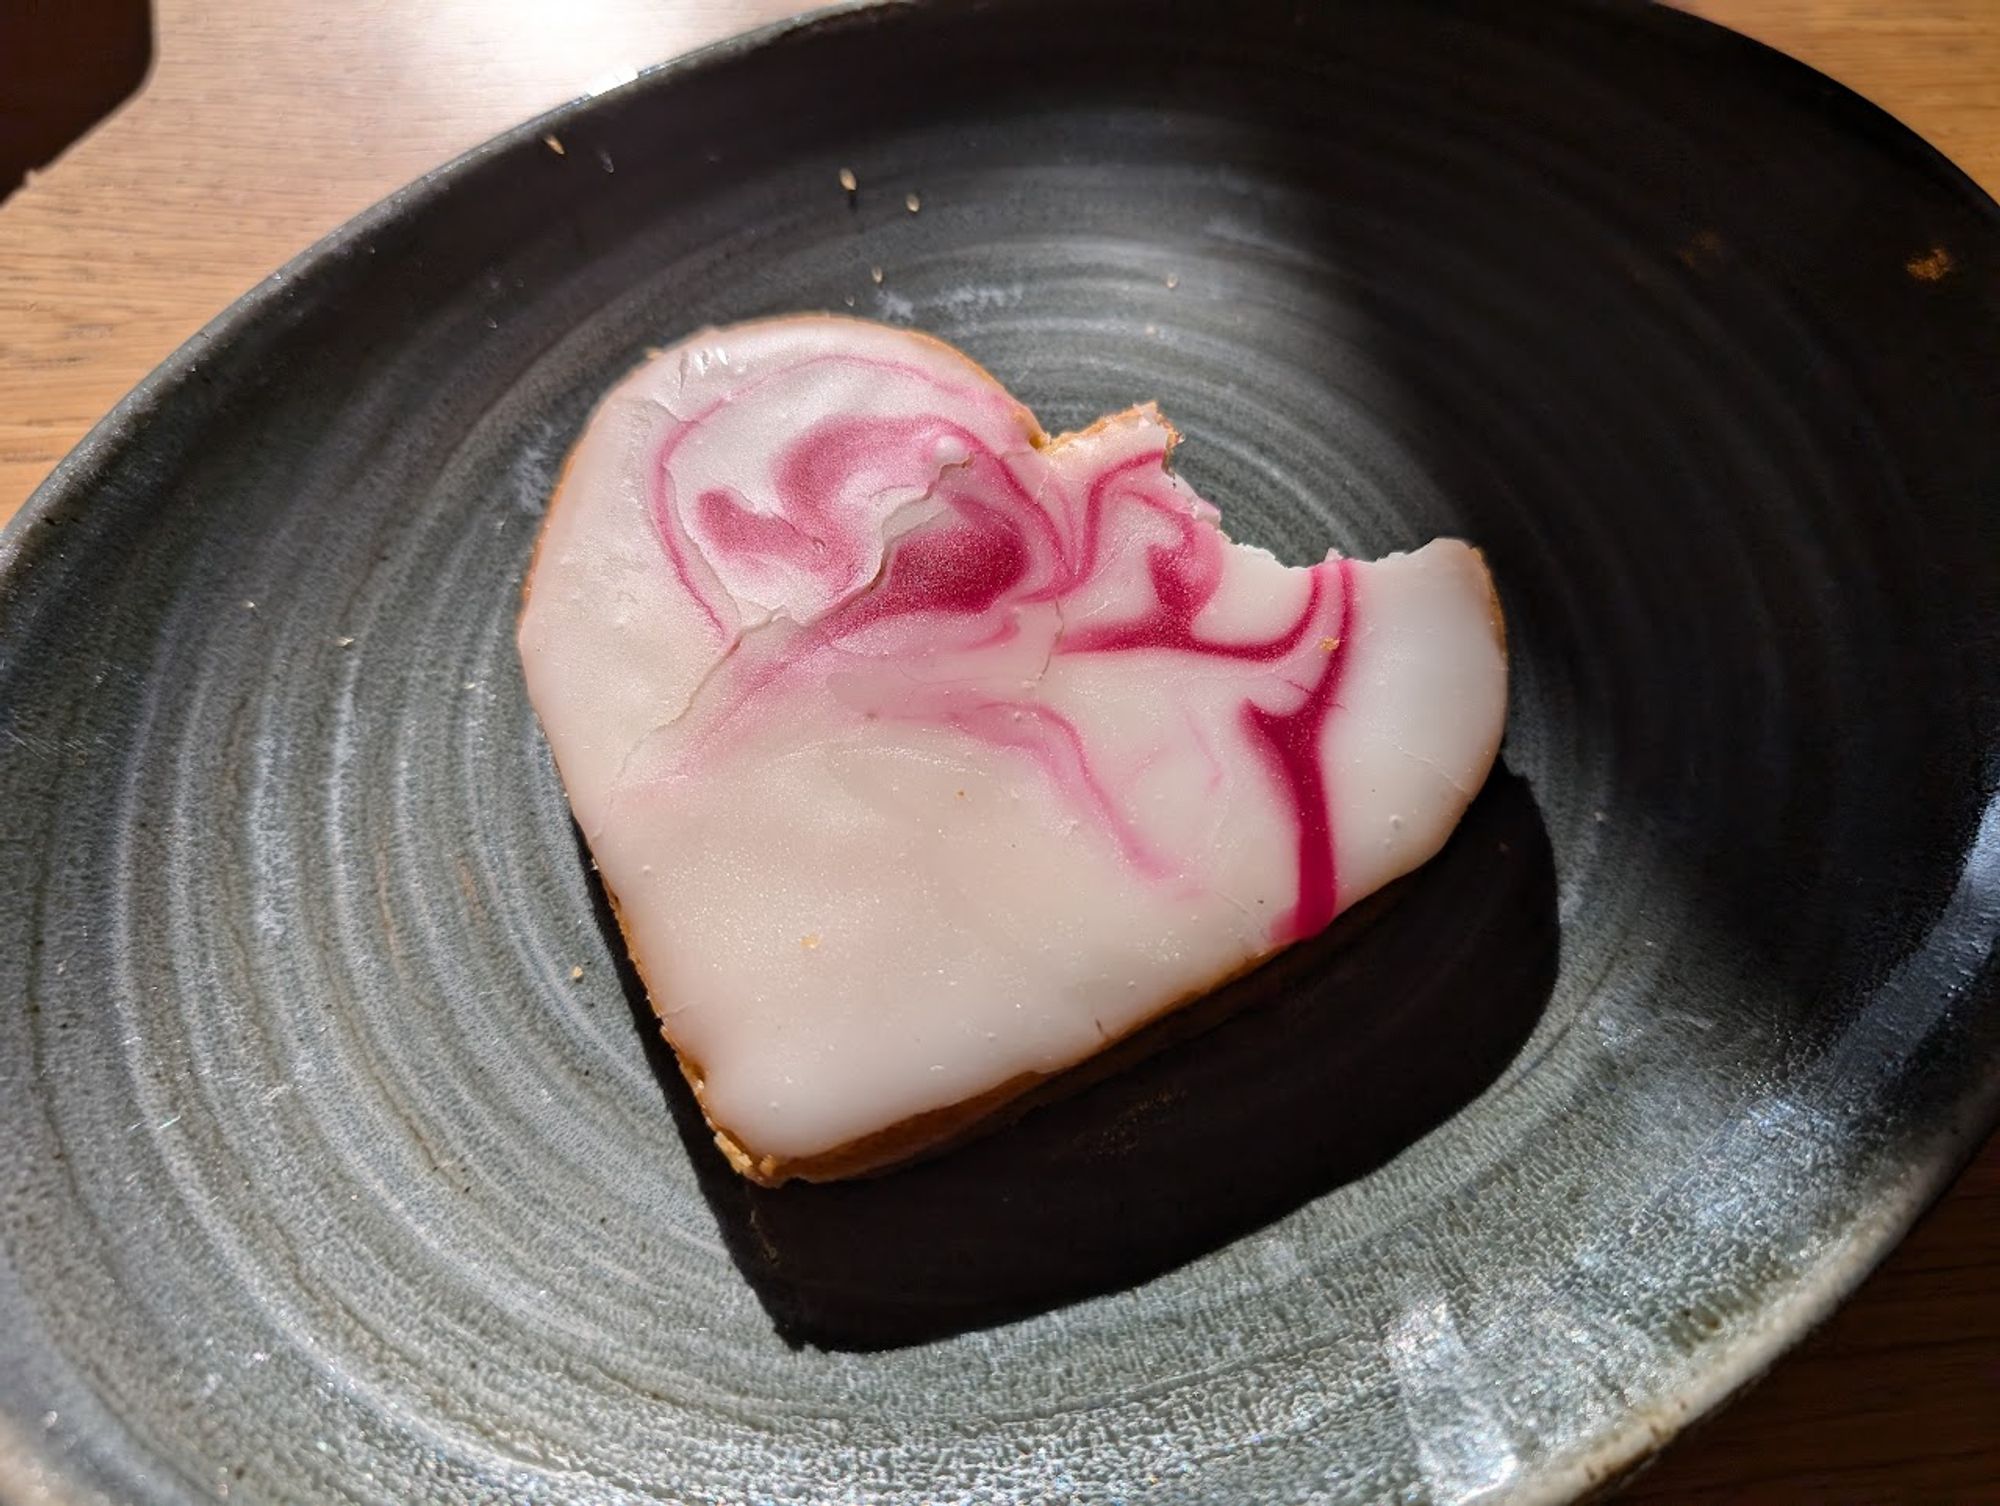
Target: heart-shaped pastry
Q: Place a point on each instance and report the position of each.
(925, 755)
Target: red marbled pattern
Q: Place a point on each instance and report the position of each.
(1008, 541)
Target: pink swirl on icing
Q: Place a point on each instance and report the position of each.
(745, 533)
(1293, 740)
(1052, 741)
(910, 625)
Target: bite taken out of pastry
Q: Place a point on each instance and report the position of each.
(924, 755)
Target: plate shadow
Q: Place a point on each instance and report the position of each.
(1307, 1073)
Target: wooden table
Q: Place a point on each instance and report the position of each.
(265, 125)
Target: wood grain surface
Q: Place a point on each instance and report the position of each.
(265, 125)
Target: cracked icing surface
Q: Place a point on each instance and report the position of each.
(925, 753)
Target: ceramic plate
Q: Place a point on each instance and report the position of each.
(337, 1159)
